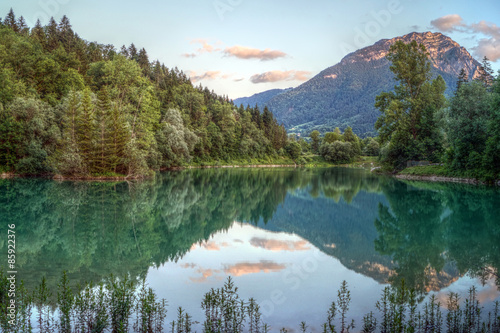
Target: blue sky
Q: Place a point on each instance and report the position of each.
(241, 47)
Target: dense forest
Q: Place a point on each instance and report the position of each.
(80, 109)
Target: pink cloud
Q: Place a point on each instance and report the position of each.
(275, 76)
(245, 268)
(448, 23)
(489, 46)
(205, 46)
(279, 245)
(205, 274)
(210, 75)
(244, 52)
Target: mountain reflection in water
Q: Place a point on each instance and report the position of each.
(300, 232)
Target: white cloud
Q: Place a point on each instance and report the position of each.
(488, 46)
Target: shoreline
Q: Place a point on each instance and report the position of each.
(233, 166)
(444, 179)
(59, 177)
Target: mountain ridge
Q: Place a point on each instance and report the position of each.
(344, 94)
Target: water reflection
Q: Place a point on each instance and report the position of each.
(387, 230)
(436, 232)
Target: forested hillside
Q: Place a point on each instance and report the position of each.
(84, 109)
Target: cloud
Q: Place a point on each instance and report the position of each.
(205, 274)
(278, 245)
(210, 75)
(245, 268)
(489, 29)
(489, 46)
(205, 46)
(275, 76)
(244, 52)
(448, 23)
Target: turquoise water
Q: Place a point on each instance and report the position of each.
(289, 237)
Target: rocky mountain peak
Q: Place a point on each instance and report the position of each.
(444, 53)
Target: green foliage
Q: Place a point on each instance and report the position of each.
(338, 152)
(372, 147)
(294, 150)
(473, 129)
(100, 112)
(408, 125)
(90, 308)
(338, 148)
(315, 141)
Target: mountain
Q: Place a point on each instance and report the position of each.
(344, 94)
(260, 98)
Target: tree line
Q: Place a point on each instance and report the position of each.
(79, 108)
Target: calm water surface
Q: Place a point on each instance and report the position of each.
(288, 237)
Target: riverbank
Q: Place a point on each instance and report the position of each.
(439, 173)
(308, 161)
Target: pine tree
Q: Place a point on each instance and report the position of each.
(143, 61)
(486, 72)
(65, 33)
(10, 21)
(38, 34)
(267, 123)
(103, 158)
(132, 52)
(124, 51)
(52, 35)
(119, 137)
(462, 78)
(22, 26)
(85, 129)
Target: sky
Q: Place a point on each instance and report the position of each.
(241, 47)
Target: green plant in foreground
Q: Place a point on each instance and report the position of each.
(110, 306)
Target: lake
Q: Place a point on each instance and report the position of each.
(288, 237)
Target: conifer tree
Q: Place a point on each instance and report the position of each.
(462, 78)
(52, 35)
(486, 72)
(10, 21)
(124, 51)
(132, 52)
(22, 26)
(119, 137)
(103, 140)
(38, 34)
(65, 32)
(85, 129)
(143, 61)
